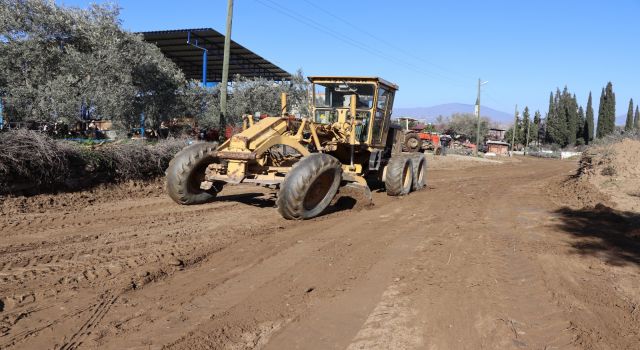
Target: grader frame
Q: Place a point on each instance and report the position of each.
(349, 124)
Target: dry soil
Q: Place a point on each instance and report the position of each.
(489, 257)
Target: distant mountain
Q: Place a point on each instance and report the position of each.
(429, 114)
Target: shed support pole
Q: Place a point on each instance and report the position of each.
(204, 68)
(142, 125)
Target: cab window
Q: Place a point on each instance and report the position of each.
(379, 120)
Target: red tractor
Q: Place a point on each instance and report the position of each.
(417, 138)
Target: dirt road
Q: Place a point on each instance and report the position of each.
(487, 258)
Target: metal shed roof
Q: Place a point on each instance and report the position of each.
(174, 44)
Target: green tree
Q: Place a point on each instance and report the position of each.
(589, 130)
(63, 64)
(466, 123)
(611, 107)
(636, 119)
(570, 112)
(581, 136)
(548, 118)
(606, 112)
(537, 120)
(528, 128)
(248, 96)
(600, 131)
(557, 131)
(629, 124)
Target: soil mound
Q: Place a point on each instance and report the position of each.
(614, 169)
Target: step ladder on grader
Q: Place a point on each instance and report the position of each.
(348, 139)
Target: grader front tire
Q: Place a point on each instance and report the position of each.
(186, 171)
(309, 187)
(399, 176)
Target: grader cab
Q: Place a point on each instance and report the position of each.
(347, 139)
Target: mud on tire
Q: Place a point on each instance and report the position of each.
(419, 172)
(399, 176)
(186, 171)
(307, 190)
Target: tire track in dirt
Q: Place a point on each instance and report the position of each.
(466, 280)
(272, 269)
(79, 252)
(522, 303)
(527, 307)
(97, 314)
(467, 264)
(390, 324)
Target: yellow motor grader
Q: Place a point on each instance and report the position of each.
(347, 139)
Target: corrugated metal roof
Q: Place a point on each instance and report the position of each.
(174, 45)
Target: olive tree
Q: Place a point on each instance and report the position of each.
(65, 64)
(466, 124)
(246, 96)
(59, 64)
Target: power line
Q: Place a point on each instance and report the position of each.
(318, 26)
(349, 41)
(390, 44)
(493, 98)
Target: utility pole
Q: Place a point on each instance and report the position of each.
(515, 129)
(225, 68)
(480, 83)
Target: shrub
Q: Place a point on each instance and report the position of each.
(30, 161)
(28, 156)
(617, 136)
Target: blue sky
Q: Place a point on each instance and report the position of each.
(435, 50)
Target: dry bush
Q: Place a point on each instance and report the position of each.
(32, 157)
(617, 136)
(555, 155)
(136, 161)
(32, 161)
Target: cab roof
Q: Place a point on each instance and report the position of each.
(317, 79)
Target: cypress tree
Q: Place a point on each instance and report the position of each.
(628, 126)
(571, 115)
(636, 120)
(557, 120)
(589, 122)
(526, 126)
(610, 96)
(581, 136)
(600, 132)
(549, 119)
(537, 119)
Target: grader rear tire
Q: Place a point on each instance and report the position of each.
(419, 173)
(186, 171)
(399, 176)
(309, 187)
